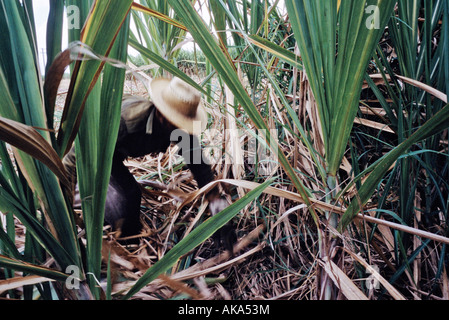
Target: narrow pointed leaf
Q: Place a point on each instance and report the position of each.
(99, 33)
(19, 265)
(195, 238)
(437, 123)
(277, 50)
(158, 15)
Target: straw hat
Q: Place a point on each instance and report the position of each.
(179, 103)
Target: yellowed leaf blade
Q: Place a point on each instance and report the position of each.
(158, 15)
(314, 203)
(342, 281)
(392, 290)
(440, 95)
(373, 124)
(18, 282)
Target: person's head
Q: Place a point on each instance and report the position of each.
(178, 105)
(158, 116)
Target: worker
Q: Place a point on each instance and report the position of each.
(173, 115)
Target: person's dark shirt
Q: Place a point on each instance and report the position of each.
(140, 143)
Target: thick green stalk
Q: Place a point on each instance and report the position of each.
(337, 84)
(100, 105)
(25, 105)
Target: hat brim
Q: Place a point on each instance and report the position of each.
(193, 125)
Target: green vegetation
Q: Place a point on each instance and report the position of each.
(351, 97)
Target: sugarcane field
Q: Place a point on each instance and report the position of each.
(224, 155)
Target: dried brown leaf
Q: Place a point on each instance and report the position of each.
(342, 281)
(391, 290)
(28, 140)
(18, 282)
